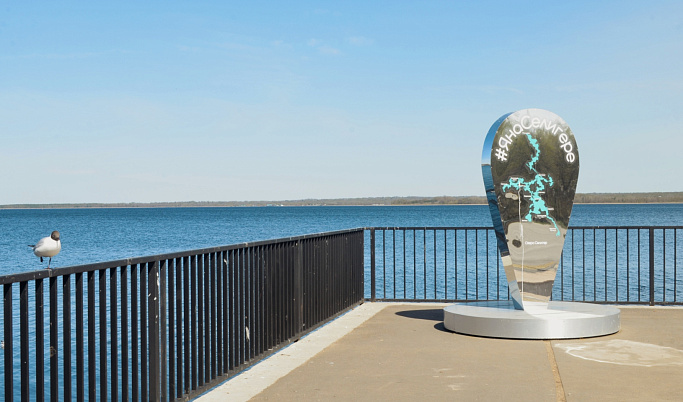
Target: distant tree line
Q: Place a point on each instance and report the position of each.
(590, 198)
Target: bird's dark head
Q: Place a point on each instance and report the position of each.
(55, 235)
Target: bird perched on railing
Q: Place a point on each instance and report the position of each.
(48, 247)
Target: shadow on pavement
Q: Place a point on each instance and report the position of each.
(435, 314)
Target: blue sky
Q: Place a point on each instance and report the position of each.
(221, 101)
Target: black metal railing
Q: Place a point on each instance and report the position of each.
(623, 265)
(171, 326)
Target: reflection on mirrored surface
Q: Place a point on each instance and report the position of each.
(530, 166)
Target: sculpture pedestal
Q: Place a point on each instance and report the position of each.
(560, 320)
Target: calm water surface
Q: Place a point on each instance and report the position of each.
(94, 235)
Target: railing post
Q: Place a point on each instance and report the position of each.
(373, 295)
(652, 266)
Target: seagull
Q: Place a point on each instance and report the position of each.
(47, 247)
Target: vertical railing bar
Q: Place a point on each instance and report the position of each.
(393, 239)
(54, 341)
(144, 324)
(8, 340)
(187, 335)
(201, 320)
(583, 261)
(194, 334)
(172, 297)
(476, 264)
(562, 276)
(162, 325)
(92, 350)
(199, 278)
(373, 267)
(467, 282)
(135, 270)
(497, 265)
(616, 263)
(486, 236)
(226, 310)
(675, 262)
(628, 267)
(66, 331)
(414, 264)
(241, 341)
(23, 340)
(124, 333)
(445, 264)
(455, 263)
(605, 245)
(405, 271)
(424, 261)
(640, 298)
(384, 264)
(595, 270)
(664, 265)
(180, 301)
(573, 274)
(652, 266)
(113, 323)
(40, 340)
(102, 299)
(435, 268)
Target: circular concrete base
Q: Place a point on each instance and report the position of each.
(559, 320)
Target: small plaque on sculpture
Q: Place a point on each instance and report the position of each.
(530, 165)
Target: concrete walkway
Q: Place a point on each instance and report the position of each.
(388, 351)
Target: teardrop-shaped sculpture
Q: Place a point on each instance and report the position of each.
(530, 165)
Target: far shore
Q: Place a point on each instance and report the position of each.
(590, 198)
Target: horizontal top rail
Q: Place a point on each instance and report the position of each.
(75, 269)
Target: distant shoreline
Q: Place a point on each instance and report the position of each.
(590, 198)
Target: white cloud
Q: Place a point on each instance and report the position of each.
(360, 41)
(328, 50)
(323, 48)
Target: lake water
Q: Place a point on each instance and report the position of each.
(95, 235)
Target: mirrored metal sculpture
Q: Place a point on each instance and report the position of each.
(530, 165)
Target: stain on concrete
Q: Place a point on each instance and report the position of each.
(624, 352)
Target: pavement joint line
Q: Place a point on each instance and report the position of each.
(253, 381)
(559, 388)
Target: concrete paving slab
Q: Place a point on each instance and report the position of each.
(402, 352)
(642, 362)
